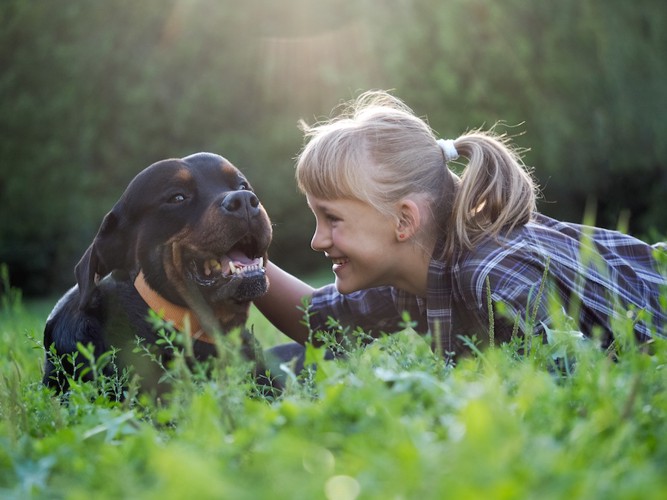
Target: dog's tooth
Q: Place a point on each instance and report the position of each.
(232, 267)
(207, 269)
(261, 262)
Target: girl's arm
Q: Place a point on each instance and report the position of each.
(282, 303)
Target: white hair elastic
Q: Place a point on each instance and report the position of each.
(448, 149)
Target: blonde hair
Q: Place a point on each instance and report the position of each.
(377, 151)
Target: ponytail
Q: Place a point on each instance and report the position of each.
(496, 193)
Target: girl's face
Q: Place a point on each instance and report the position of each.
(359, 240)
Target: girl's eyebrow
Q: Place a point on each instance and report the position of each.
(318, 205)
(327, 209)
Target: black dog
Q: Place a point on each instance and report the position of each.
(188, 238)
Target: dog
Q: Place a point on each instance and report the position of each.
(189, 239)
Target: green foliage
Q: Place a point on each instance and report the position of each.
(92, 92)
(386, 420)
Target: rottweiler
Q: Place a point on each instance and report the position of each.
(189, 239)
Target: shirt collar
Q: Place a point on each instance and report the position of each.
(439, 302)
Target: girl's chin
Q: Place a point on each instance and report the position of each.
(345, 287)
(348, 281)
(350, 285)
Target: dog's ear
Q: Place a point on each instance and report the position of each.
(107, 252)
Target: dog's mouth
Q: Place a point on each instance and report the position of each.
(238, 263)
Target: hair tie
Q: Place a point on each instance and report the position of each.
(448, 149)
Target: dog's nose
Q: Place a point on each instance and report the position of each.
(240, 202)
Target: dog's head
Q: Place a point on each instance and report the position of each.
(194, 227)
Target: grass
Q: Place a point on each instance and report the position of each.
(389, 421)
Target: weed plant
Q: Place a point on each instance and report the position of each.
(386, 420)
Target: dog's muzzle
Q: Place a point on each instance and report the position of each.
(238, 274)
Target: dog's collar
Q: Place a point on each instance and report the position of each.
(181, 317)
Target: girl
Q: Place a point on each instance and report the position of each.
(405, 234)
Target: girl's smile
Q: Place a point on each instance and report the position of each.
(338, 263)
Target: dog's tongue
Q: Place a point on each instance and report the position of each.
(239, 257)
(243, 266)
(234, 262)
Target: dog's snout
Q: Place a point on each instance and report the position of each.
(241, 202)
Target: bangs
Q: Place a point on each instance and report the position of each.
(331, 165)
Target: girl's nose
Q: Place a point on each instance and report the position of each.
(320, 241)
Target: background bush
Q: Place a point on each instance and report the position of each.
(92, 92)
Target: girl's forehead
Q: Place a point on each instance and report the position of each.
(314, 201)
(340, 204)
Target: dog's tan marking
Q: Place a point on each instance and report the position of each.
(183, 175)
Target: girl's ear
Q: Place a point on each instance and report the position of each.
(408, 220)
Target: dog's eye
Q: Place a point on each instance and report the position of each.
(177, 198)
(244, 186)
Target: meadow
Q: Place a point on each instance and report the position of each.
(389, 421)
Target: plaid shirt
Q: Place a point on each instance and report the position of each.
(541, 271)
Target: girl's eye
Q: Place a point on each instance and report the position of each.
(177, 198)
(332, 218)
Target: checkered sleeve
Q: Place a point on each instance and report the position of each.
(373, 310)
(551, 272)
